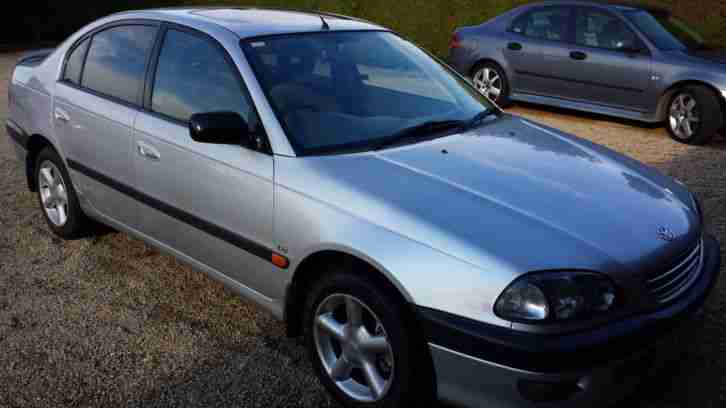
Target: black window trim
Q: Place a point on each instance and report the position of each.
(137, 105)
(570, 29)
(151, 70)
(581, 9)
(83, 60)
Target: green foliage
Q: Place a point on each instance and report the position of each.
(431, 22)
(428, 22)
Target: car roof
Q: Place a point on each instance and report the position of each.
(619, 6)
(253, 21)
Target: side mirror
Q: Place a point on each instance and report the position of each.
(219, 128)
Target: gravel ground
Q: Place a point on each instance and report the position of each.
(109, 321)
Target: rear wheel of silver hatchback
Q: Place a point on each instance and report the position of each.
(694, 115)
(491, 81)
(363, 347)
(57, 197)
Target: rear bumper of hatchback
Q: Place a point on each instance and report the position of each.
(482, 365)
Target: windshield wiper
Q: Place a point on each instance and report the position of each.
(418, 132)
(477, 119)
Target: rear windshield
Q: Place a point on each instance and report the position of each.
(342, 91)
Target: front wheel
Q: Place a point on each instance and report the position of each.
(363, 347)
(694, 115)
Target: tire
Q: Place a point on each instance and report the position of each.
(694, 115)
(75, 224)
(404, 368)
(497, 80)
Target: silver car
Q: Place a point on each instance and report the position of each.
(630, 62)
(425, 244)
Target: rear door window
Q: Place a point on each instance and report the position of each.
(548, 23)
(116, 61)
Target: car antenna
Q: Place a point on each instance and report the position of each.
(325, 23)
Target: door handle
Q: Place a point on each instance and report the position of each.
(514, 46)
(61, 115)
(147, 151)
(578, 55)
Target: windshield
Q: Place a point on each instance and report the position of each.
(666, 32)
(351, 91)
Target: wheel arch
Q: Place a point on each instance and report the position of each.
(667, 95)
(36, 143)
(307, 272)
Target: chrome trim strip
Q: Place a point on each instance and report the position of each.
(680, 265)
(678, 290)
(489, 363)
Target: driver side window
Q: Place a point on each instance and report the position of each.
(193, 76)
(599, 29)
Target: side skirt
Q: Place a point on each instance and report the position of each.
(647, 117)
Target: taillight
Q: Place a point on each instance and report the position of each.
(455, 41)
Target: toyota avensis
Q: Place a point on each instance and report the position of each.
(622, 61)
(424, 243)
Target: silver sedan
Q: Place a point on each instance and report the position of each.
(424, 243)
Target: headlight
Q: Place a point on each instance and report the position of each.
(556, 296)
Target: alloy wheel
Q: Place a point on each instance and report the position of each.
(684, 117)
(353, 347)
(53, 193)
(489, 83)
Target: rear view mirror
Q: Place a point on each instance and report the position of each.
(219, 128)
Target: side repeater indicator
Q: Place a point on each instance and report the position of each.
(280, 261)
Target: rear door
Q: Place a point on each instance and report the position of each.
(536, 49)
(604, 66)
(211, 202)
(96, 103)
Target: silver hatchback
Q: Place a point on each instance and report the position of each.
(425, 244)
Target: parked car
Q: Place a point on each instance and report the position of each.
(623, 61)
(423, 242)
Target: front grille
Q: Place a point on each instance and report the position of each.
(667, 285)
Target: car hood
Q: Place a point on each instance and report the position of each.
(517, 194)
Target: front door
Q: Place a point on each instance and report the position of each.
(211, 202)
(609, 65)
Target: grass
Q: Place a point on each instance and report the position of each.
(431, 23)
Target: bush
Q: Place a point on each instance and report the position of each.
(428, 22)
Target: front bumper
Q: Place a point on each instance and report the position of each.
(482, 365)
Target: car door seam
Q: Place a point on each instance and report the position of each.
(188, 218)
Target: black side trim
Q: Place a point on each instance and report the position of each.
(547, 353)
(181, 215)
(602, 85)
(17, 134)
